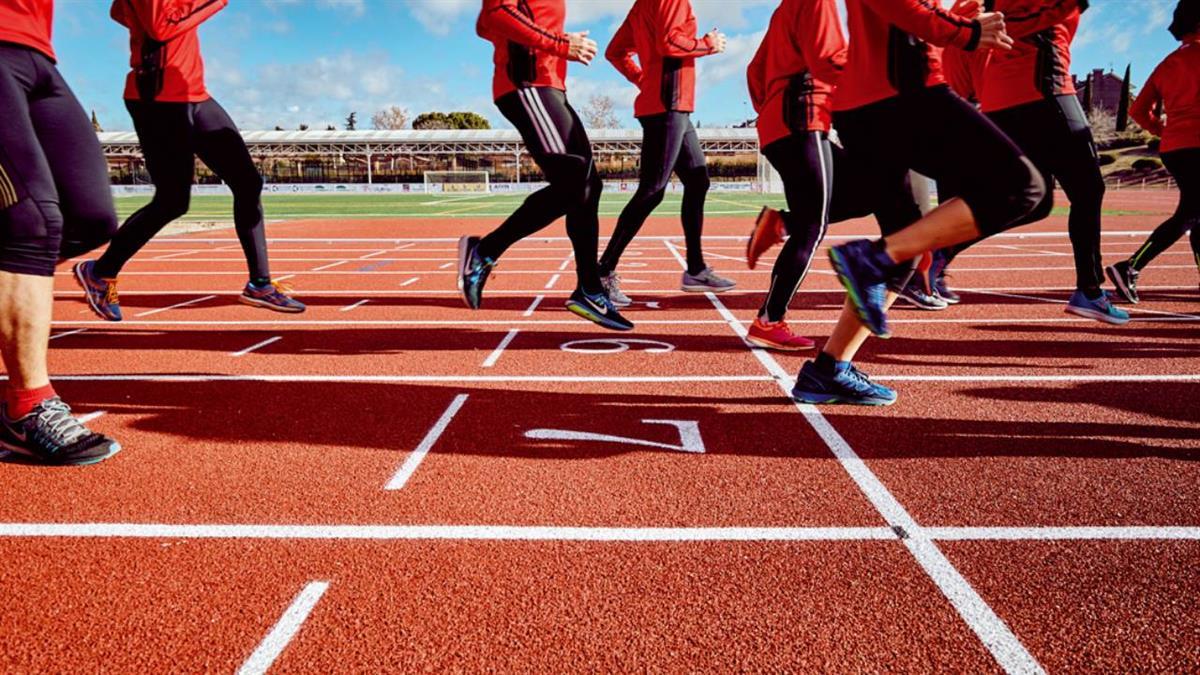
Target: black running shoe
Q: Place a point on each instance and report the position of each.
(864, 270)
(598, 309)
(913, 294)
(1124, 278)
(937, 280)
(51, 435)
(473, 271)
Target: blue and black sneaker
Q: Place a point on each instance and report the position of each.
(598, 309)
(846, 384)
(100, 293)
(864, 270)
(1100, 309)
(937, 279)
(473, 271)
(50, 434)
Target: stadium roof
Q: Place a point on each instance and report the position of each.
(406, 141)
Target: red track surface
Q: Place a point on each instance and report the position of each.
(1032, 500)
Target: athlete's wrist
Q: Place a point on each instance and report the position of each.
(976, 36)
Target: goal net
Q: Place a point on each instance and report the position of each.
(457, 181)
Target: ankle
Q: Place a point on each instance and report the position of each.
(21, 402)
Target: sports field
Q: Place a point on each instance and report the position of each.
(390, 482)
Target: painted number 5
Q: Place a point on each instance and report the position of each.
(689, 436)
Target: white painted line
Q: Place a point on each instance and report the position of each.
(1117, 533)
(372, 255)
(285, 630)
(410, 282)
(537, 300)
(553, 280)
(77, 331)
(1061, 234)
(360, 303)
(286, 277)
(404, 246)
(445, 265)
(329, 266)
(97, 414)
(690, 439)
(414, 458)
(257, 346)
(481, 379)
(1054, 301)
(495, 355)
(176, 255)
(566, 263)
(175, 306)
(1038, 378)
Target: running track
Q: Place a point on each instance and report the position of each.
(390, 482)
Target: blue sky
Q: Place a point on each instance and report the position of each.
(287, 62)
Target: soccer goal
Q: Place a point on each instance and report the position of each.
(457, 181)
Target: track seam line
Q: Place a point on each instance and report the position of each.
(995, 634)
(360, 303)
(409, 467)
(77, 331)
(553, 280)
(175, 306)
(409, 282)
(257, 346)
(504, 342)
(284, 630)
(322, 268)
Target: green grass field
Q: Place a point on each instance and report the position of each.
(299, 206)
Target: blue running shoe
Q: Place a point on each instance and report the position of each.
(473, 271)
(847, 384)
(101, 294)
(863, 269)
(274, 296)
(937, 280)
(598, 309)
(1101, 309)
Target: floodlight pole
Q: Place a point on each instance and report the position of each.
(369, 176)
(517, 156)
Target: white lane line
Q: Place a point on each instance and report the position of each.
(566, 263)
(410, 282)
(619, 379)
(537, 300)
(286, 277)
(495, 355)
(176, 255)
(360, 303)
(445, 265)
(1038, 378)
(1101, 533)
(405, 246)
(553, 280)
(995, 634)
(329, 266)
(643, 237)
(284, 630)
(257, 346)
(175, 306)
(97, 414)
(1054, 301)
(372, 255)
(414, 458)
(77, 331)
(1026, 250)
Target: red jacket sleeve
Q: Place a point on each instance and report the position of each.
(620, 53)
(928, 21)
(821, 41)
(1027, 17)
(1144, 107)
(501, 18)
(676, 38)
(164, 20)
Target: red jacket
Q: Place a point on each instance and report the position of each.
(27, 22)
(895, 46)
(1173, 88)
(662, 33)
(964, 71)
(163, 32)
(796, 67)
(531, 47)
(1039, 64)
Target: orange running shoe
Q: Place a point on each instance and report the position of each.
(768, 231)
(777, 335)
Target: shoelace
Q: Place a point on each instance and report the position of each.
(57, 427)
(860, 378)
(110, 293)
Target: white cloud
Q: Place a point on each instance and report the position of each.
(439, 16)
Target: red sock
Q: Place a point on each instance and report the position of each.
(21, 402)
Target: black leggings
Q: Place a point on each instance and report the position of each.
(1184, 165)
(55, 199)
(1055, 135)
(669, 144)
(822, 185)
(555, 137)
(172, 135)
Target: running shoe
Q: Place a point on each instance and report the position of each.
(706, 281)
(1101, 309)
(1124, 278)
(273, 296)
(769, 230)
(598, 309)
(863, 269)
(51, 435)
(915, 295)
(777, 335)
(847, 384)
(937, 280)
(473, 271)
(101, 293)
(612, 286)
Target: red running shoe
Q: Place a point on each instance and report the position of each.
(768, 231)
(777, 335)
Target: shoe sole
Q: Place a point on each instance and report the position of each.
(1096, 316)
(254, 302)
(620, 304)
(928, 308)
(1119, 283)
(602, 321)
(836, 259)
(464, 249)
(768, 344)
(77, 272)
(751, 259)
(833, 399)
(7, 450)
(706, 289)
(948, 301)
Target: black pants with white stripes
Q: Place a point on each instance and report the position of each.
(1184, 166)
(555, 137)
(669, 144)
(823, 185)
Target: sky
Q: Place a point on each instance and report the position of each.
(292, 62)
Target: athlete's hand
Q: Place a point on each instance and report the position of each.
(967, 9)
(582, 48)
(717, 40)
(993, 34)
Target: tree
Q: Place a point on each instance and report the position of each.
(278, 128)
(96, 123)
(599, 113)
(330, 127)
(352, 122)
(303, 127)
(432, 120)
(1123, 106)
(468, 120)
(393, 117)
